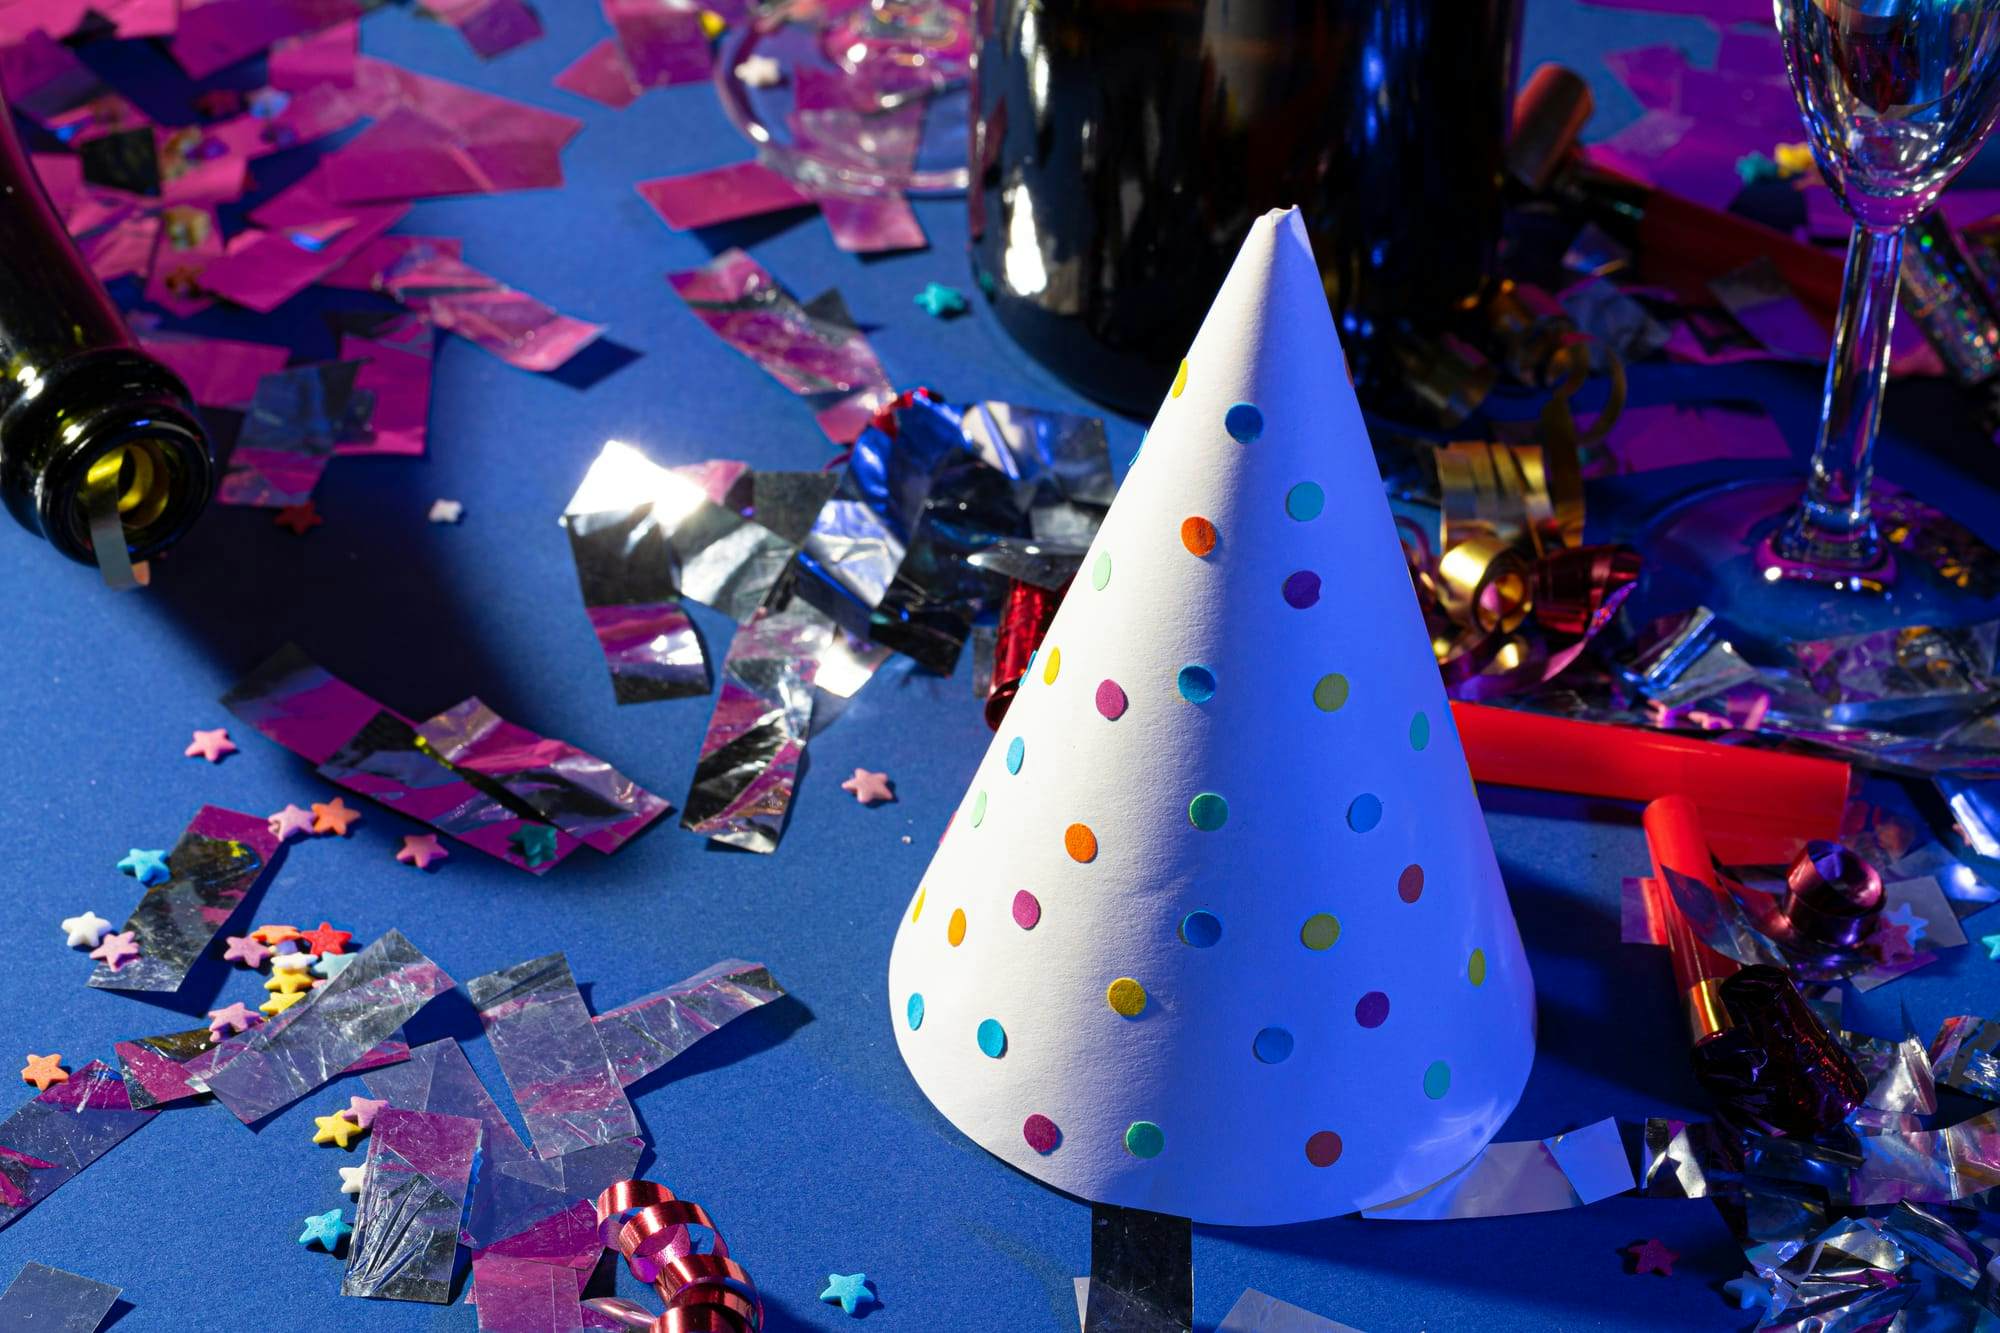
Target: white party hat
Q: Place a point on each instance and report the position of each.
(1218, 930)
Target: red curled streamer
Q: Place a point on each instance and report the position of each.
(703, 1293)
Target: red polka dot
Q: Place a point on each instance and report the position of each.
(1042, 1134)
(1323, 1148)
(1410, 884)
(1111, 700)
(1027, 910)
(1198, 535)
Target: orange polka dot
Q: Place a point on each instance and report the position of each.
(1198, 535)
(1080, 842)
(955, 931)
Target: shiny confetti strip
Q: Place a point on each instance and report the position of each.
(168, 1068)
(213, 868)
(644, 1035)
(41, 1299)
(1532, 1176)
(51, 1138)
(649, 1228)
(541, 1031)
(406, 1221)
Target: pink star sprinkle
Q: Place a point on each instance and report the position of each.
(211, 745)
(246, 950)
(290, 822)
(116, 949)
(230, 1018)
(362, 1111)
(420, 849)
(1650, 1256)
(869, 788)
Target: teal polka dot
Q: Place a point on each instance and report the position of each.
(1201, 930)
(979, 809)
(1304, 501)
(1208, 812)
(1100, 572)
(1437, 1080)
(992, 1038)
(1143, 1138)
(1365, 813)
(1197, 684)
(914, 1011)
(1017, 750)
(1420, 731)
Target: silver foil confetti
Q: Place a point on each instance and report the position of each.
(168, 1068)
(644, 1035)
(295, 421)
(1966, 1055)
(273, 1065)
(52, 1137)
(514, 1194)
(437, 1078)
(1531, 1176)
(212, 869)
(541, 1031)
(406, 1221)
(41, 1299)
(1255, 1312)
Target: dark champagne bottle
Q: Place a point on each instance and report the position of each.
(1122, 148)
(99, 444)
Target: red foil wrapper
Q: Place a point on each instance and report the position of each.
(703, 1293)
(1832, 896)
(1024, 619)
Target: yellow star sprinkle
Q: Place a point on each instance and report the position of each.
(288, 982)
(277, 1004)
(336, 1129)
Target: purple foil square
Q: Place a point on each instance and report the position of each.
(540, 1030)
(274, 266)
(406, 1221)
(58, 1133)
(489, 27)
(211, 870)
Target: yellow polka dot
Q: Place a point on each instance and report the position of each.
(955, 931)
(1180, 379)
(1475, 967)
(1125, 996)
(1050, 667)
(917, 907)
(1320, 931)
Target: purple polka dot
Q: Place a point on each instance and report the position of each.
(1372, 1009)
(1027, 910)
(1041, 1133)
(1111, 700)
(1302, 589)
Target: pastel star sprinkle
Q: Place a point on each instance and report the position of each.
(336, 1129)
(361, 1110)
(420, 849)
(847, 1290)
(333, 965)
(148, 868)
(291, 822)
(1906, 917)
(869, 788)
(324, 939)
(1749, 1291)
(326, 1230)
(941, 302)
(760, 72)
(116, 949)
(301, 519)
(245, 949)
(536, 843)
(1650, 1256)
(211, 745)
(85, 931)
(293, 962)
(230, 1018)
(446, 511)
(274, 935)
(352, 1178)
(333, 816)
(1992, 943)
(277, 1004)
(288, 983)
(42, 1070)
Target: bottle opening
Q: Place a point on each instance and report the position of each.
(140, 475)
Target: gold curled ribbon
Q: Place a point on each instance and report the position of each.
(703, 1293)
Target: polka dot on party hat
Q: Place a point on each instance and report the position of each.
(1218, 904)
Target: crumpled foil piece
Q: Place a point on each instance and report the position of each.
(1899, 1074)
(437, 1078)
(523, 1296)
(1896, 675)
(756, 738)
(167, 1068)
(540, 1029)
(1966, 1056)
(395, 353)
(1141, 1272)
(296, 420)
(645, 1034)
(274, 1064)
(41, 1299)
(513, 325)
(523, 1192)
(1929, 1165)
(1688, 1159)
(1568, 1170)
(212, 868)
(406, 1220)
(807, 353)
(1255, 1312)
(59, 1132)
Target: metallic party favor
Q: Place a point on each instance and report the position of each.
(540, 1030)
(271, 1066)
(649, 1227)
(640, 1037)
(41, 1299)
(406, 1221)
(212, 869)
(58, 1133)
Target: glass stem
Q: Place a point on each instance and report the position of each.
(1832, 525)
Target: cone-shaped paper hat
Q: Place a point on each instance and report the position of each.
(1217, 930)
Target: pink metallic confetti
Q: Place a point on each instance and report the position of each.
(301, 63)
(489, 27)
(396, 368)
(746, 308)
(602, 75)
(663, 41)
(408, 155)
(276, 265)
(215, 34)
(1677, 435)
(720, 194)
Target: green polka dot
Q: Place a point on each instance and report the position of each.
(1143, 1138)
(1420, 731)
(1208, 812)
(1475, 967)
(1100, 572)
(1331, 692)
(1437, 1080)
(1304, 501)
(1320, 931)
(978, 809)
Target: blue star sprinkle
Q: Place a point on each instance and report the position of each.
(941, 302)
(536, 843)
(847, 1290)
(1992, 943)
(325, 1230)
(148, 868)
(1906, 917)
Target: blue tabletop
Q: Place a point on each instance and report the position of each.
(798, 1127)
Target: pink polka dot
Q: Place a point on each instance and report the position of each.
(1372, 1009)
(1041, 1133)
(1027, 910)
(1111, 700)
